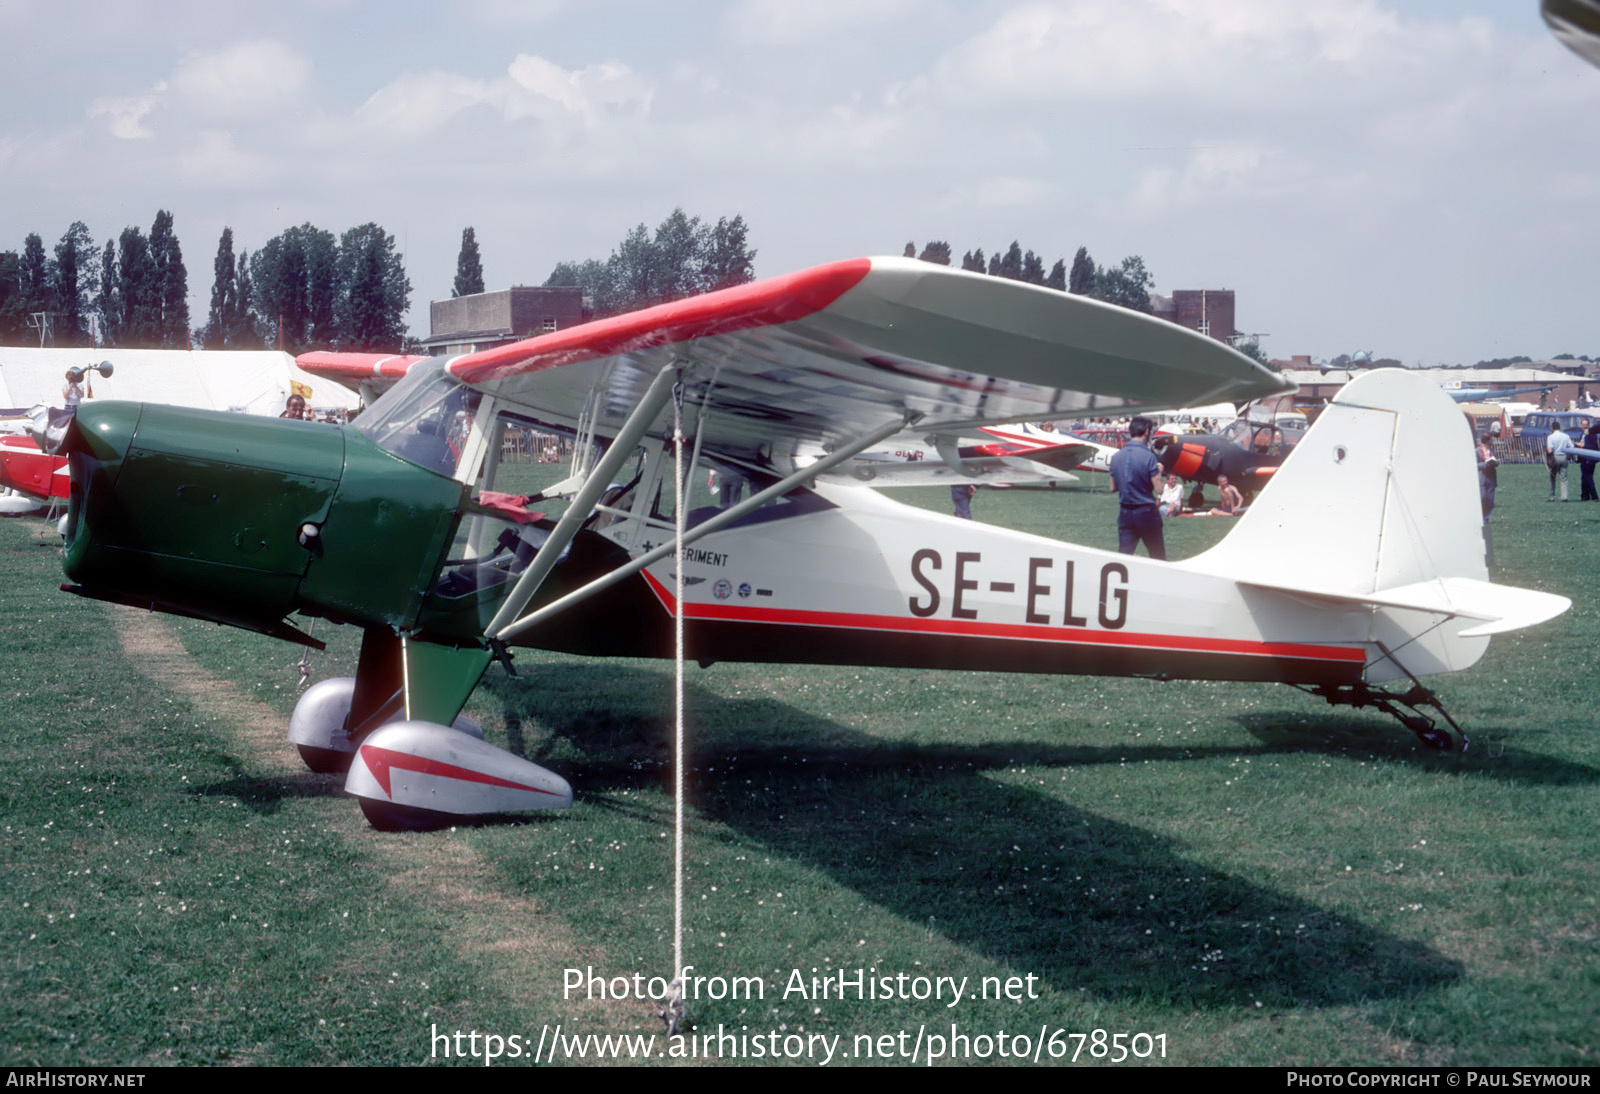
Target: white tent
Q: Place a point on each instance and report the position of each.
(245, 381)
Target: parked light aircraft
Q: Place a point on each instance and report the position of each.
(395, 525)
(25, 466)
(944, 461)
(1030, 437)
(1249, 454)
(1487, 395)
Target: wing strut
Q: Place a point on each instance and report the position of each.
(621, 450)
(732, 513)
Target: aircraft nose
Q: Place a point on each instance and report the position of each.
(195, 511)
(102, 430)
(96, 444)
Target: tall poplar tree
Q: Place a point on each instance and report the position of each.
(1032, 269)
(1081, 279)
(1009, 266)
(469, 266)
(170, 284)
(139, 316)
(220, 320)
(72, 273)
(35, 286)
(246, 329)
(108, 301)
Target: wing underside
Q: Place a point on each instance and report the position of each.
(818, 358)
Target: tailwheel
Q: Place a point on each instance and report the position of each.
(1444, 738)
(1405, 706)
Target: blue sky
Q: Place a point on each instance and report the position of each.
(1416, 178)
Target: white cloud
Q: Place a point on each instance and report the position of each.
(215, 157)
(805, 22)
(1263, 53)
(533, 88)
(125, 116)
(417, 105)
(244, 81)
(1223, 171)
(590, 94)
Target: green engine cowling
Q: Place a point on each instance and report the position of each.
(244, 520)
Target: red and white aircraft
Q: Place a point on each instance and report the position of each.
(838, 359)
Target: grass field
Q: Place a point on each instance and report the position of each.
(1240, 870)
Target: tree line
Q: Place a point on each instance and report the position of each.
(135, 289)
(1127, 285)
(304, 289)
(682, 257)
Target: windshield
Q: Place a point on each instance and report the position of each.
(423, 418)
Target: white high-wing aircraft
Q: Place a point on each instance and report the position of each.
(1382, 494)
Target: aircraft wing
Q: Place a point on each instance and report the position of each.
(1062, 457)
(1577, 24)
(378, 372)
(829, 354)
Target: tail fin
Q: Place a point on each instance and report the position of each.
(1378, 505)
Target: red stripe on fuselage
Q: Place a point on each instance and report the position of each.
(744, 307)
(740, 613)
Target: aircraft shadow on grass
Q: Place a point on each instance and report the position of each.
(264, 794)
(1042, 886)
(1489, 755)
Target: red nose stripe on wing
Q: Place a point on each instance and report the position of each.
(380, 760)
(759, 304)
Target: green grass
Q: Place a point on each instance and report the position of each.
(1259, 877)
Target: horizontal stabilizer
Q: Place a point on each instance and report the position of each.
(1497, 608)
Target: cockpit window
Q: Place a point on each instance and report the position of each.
(424, 418)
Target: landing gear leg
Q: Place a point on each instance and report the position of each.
(1406, 707)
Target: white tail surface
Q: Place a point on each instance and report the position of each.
(1378, 505)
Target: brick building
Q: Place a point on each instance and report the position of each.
(1209, 311)
(463, 324)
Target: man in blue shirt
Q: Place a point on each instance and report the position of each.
(1134, 469)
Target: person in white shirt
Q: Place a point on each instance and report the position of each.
(1555, 458)
(1171, 503)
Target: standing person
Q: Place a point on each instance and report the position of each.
(294, 407)
(961, 498)
(1135, 469)
(1555, 458)
(1591, 443)
(1488, 473)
